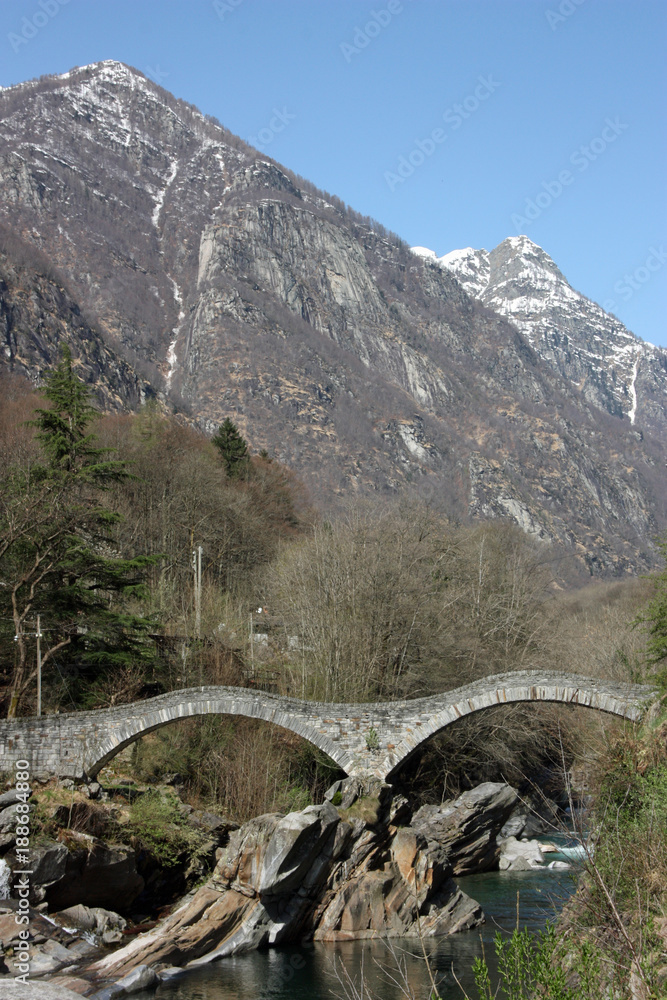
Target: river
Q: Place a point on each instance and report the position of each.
(306, 972)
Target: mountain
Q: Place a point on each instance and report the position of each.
(612, 367)
(228, 286)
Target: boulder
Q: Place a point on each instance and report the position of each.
(8, 818)
(172, 972)
(49, 862)
(360, 787)
(335, 874)
(11, 797)
(141, 978)
(96, 874)
(520, 855)
(96, 920)
(467, 826)
(532, 816)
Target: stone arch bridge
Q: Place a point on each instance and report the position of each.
(362, 738)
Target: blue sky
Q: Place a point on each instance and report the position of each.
(504, 116)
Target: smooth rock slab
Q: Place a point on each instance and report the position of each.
(35, 991)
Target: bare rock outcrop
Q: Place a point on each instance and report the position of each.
(467, 827)
(327, 873)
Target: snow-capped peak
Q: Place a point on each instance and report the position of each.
(521, 282)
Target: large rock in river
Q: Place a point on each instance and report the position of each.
(322, 872)
(468, 826)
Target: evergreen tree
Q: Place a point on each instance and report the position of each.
(233, 449)
(58, 557)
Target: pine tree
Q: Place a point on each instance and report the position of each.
(58, 557)
(233, 449)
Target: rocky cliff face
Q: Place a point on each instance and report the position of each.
(239, 289)
(38, 313)
(612, 368)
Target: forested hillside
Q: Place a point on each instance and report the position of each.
(101, 514)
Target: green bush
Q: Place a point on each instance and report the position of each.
(161, 828)
(531, 966)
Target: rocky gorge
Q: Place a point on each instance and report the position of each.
(362, 864)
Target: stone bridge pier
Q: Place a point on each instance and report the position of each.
(364, 738)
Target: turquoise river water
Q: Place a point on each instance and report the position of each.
(307, 972)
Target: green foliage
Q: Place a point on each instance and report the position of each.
(62, 428)
(157, 821)
(59, 557)
(336, 798)
(372, 740)
(530, 966)
(233, 449)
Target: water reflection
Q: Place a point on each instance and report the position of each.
(307, 972)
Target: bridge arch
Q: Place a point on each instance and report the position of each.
(197, 702)
(359, 738)
(622, 700)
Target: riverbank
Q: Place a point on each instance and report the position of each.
(306, 972)
(360, 865)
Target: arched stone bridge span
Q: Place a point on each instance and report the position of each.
(369, 737)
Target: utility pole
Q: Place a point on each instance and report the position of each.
(196, 566)
(39, 669)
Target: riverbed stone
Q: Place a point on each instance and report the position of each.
(520, 855)
(96, 874)
(13, 796)
(48, 862)
(40, 991)
(141, 978)
(467, 827)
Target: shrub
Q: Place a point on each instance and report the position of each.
(161, 828)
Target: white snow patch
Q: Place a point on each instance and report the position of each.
(424, 252)
(159, 201)
(632, 412)
(172, 360)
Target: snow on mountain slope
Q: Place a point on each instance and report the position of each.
(237, 289)
(612, 367)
